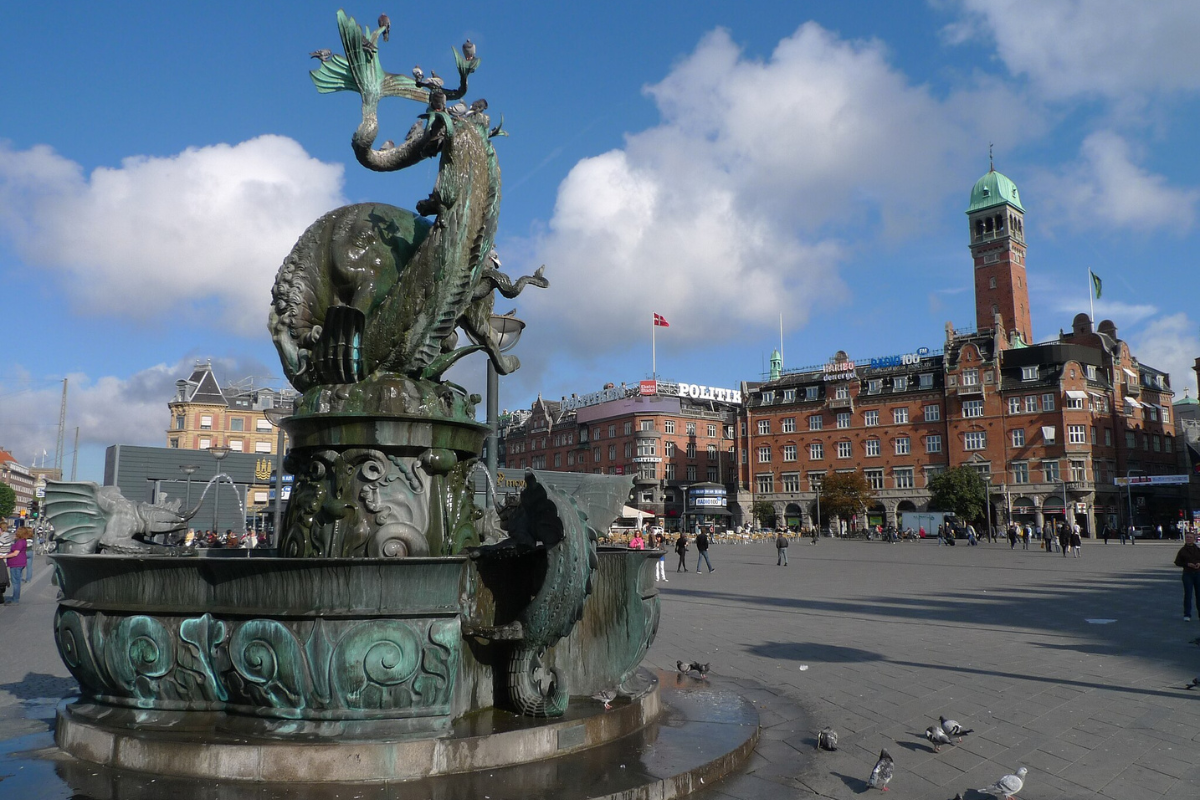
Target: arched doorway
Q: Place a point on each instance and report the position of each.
(1024, 510)
(901, 508)
(792, 516)
(876, 515)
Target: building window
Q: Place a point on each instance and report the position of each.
(1078, 471)
(690, 428)
(712, 452)
(669, 449)
(972, 408)
(669, 471)
(1029, 373)
(1146, 442)
(1168, 444)
(903, 477)
(874, 386)
(596, 454)
(970, 377)
(669, 426)
(900, 416)
(933, 443)
(788, 425)
(1014, 405)
(975, 440)
(789, 452)
(903, 446)
(175, 444)
(647, 447)
(262, 424)
(1018, 437)
(206, 422)
(612, 431)
(900, 383)
(871, 447)
(1031, 404)
(646, 425)
(648, 471)
(612, 452)
(991, 281)
(768, 397)
(1157, 443)
(1151, 413)
(815, 481)
(204, 444)
(712, 474)
(1076, 434)
(766, 484)
(764, 455)
(1093, 435)
(843, 419)
(237, 424)
(1074, 403)
(691, 472)
(728, 431)
(810, 392)
(816, 451)
(260, 497)
(1049, 434)
(1020, 473)
(842, 392)
(712, 431)
(1108, 437)
(557, 460)
(235, 445)
(816, 422)
(790, 481)
(933, 413)
(764, 427)
(1047, 402)
(870, 418)
(1130, 440)
(874, 478)
(926, 380)
(691, 449)
(1050, 470)
(745, 456)
(629, 449)
(845, 450)
(1091, 372)
(571, 459)
(789, 395)
(180, 421)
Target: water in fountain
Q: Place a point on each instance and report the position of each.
(216, 479)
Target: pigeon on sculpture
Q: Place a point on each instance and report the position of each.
(385, 25)
(434, 81)
(606, 697)
(827, 739)
(468, 49)
(494, 257)
(1007, 786)
(952, 728)
(323, 54)
(882, 773)
(459, 109)
(437, 100)
(418, 73)
(937, 737)
(479, 106)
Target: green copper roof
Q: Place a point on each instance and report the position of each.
(994, 189)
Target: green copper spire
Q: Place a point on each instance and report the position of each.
(776, 365)
(994, 189)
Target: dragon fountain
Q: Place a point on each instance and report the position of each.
(396, 610)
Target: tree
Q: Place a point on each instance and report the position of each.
(960, 490)
(8, 500)
(844, 494)
(764, 512)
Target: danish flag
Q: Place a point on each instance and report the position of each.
(660, 322)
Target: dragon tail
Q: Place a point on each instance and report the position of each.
(528, 697)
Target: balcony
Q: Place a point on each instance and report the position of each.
(1081, 486)
(972, 389)
(842, 402)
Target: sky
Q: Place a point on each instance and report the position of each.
(722, 164)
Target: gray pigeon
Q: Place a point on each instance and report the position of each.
(827, 739)
(418, 73)
(324, 54)
(605, 696)
(459, 109)
(434, 81)
(468, 49)
(1007, 786)
(882, 773)
(1195, 682)
(937, 737)
(952, 728)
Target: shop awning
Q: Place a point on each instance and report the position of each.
(1130, 373)
(1048, 432)
(1076, 395)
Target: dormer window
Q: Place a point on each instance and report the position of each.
(1029, 373)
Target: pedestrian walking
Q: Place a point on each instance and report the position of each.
(681, 547)
(1012, 537)
(1076, 542)
(1048, 537)
(660, 566)
(1125, 532)
(1064, 539)
(1132, 535)
(1188, 558)
(1026, 535)
(1107, 528)
(16, 560)
(781, 544)
(702, 551)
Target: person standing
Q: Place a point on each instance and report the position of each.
(1064, 539)
(781, 544)
(637, 542)
(1048, 537)
(1188, 558)
(1012, 536)
(660, 566)
(1125, 532)
(681, 547)
(1076, 541)
(702, 551)
(1106, 530)
(17, 559)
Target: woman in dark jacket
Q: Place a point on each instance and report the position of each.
(1188, 558)
(681, 547)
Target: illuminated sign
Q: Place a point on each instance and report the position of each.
(647, 460)
(648, 388)
(1152, 480)
(839, 371)
(906, 360)
(697, 392)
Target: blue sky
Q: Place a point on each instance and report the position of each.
(718, 163)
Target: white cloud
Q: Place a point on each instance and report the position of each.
(107, 410)
(1172, 345)
(162, 235)
(1105, 188)
(1091, 48)
(735, 207)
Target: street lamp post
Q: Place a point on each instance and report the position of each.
(219, 453)
(505, 331)
(817, 489)
(188, 469)
(275, 416)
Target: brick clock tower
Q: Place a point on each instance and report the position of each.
(997, 223)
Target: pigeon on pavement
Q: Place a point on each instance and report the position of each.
(952, 728)
(1007, 786)
(827, 739)
(937, 737)
(882, 773)
(1195, 682)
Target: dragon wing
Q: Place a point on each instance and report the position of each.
(74, 511)
(602, 497)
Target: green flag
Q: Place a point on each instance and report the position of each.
(1095, 283)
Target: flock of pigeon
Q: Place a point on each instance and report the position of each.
(947, 731)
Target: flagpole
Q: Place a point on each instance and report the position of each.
(781, 337)
(1092, 296)
(653, 349)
